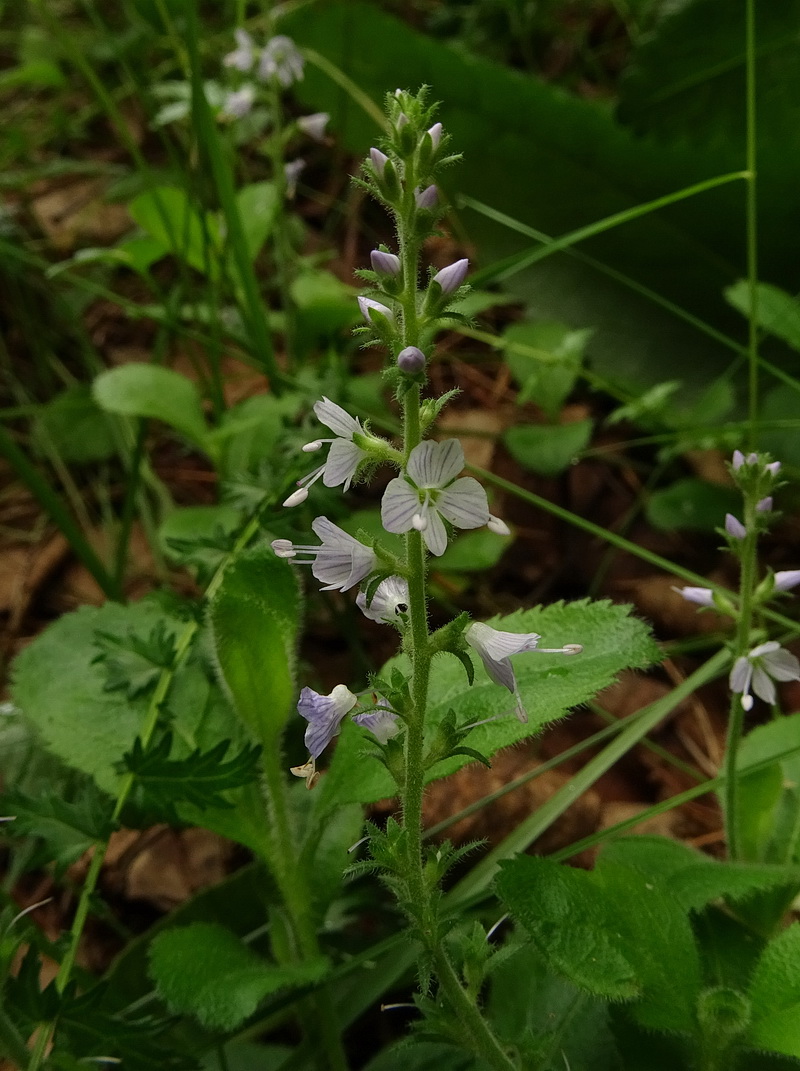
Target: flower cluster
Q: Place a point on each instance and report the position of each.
(429, 496)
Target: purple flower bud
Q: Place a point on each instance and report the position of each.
(734, 527)
(384, 263)
(701, 596)
(786, 580)
(379, 161)
(774, 467)
(451, 277)
(314, 125)
(738, 460)
(427, 198)
(411, 360)
(764, 505)
(402, 120)
(435, 132)
(368, 306)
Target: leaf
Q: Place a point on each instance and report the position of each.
(769, 799)
(473, 552)
(258, 206)
(255, 617)
(546, 382)
(200, 778)
(66, 829)
(133, 663)
(61, 694)
(572, 922)
(548, 448)
(549, 685)
(777, 311)
(775, 995)
(148, 390)
(200, 535)
(695, 505)
(168, 216)
(75, 426)
(222, 998)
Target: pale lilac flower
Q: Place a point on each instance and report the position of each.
(701, 596)
(435, 132)
(314, 125)
(239, 102)
(383, 724)
(429, 491)
(344, 455)
(281, 60)
(764, 505)
(734, 527)
(451, 277)
(497, 525)
(411, 360)
(369, 305)
(339, 562)
(496, 648)
(427, 198)
(243, 57)
(324, 714)
(385, 263)
(292, 172)
(379, 161)
(787, 579)
(766, 663)
(389, 601)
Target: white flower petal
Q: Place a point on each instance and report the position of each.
(399, 504)
(763, 686)
(464, 503)
(337, 419)
(740, 675)
(343, 459)
(763, 649)
(782, 665)
(433, 464)
(496, 644)
(435, 533)
(389, 601)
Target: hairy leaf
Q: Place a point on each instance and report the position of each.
(66, 829)
(226, 996)
(775, 994)
(133, 663)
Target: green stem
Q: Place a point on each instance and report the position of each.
(752, 219)
(469, 1017)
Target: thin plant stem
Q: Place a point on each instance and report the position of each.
(751, 219)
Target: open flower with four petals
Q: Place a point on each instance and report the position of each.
(344, 455)
(759, 669)
(429, 493)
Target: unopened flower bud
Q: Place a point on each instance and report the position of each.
(411, 360)
(435, 132)
(402, 120)
(384, 263)
(369, 305)
(773, 468)
(701, 596)
(427, 198)
(498, 526)
(314, 125)
(379, 161)
(734, 527)
(764, 505)
(737, 461)
(451, 277)
(787, 579)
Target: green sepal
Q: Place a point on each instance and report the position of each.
(450, 637)
(470, 752)
(432, 407)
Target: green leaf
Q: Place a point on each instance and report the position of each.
(424, 1056)
(780, 404)
(133, 663)
(200, 778)
(225, 996)
(572, 922)
(775, 995)
(473, 552)
(148, 390)
(62, 694)
(200, 535)
(692, 504)
(258, 205)
(549, 685)
(778, 312)
(66, 829)
(548, 382)
(167, 215)
(255, 616)
(75, 426)
(548, 448)
(769, 799)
